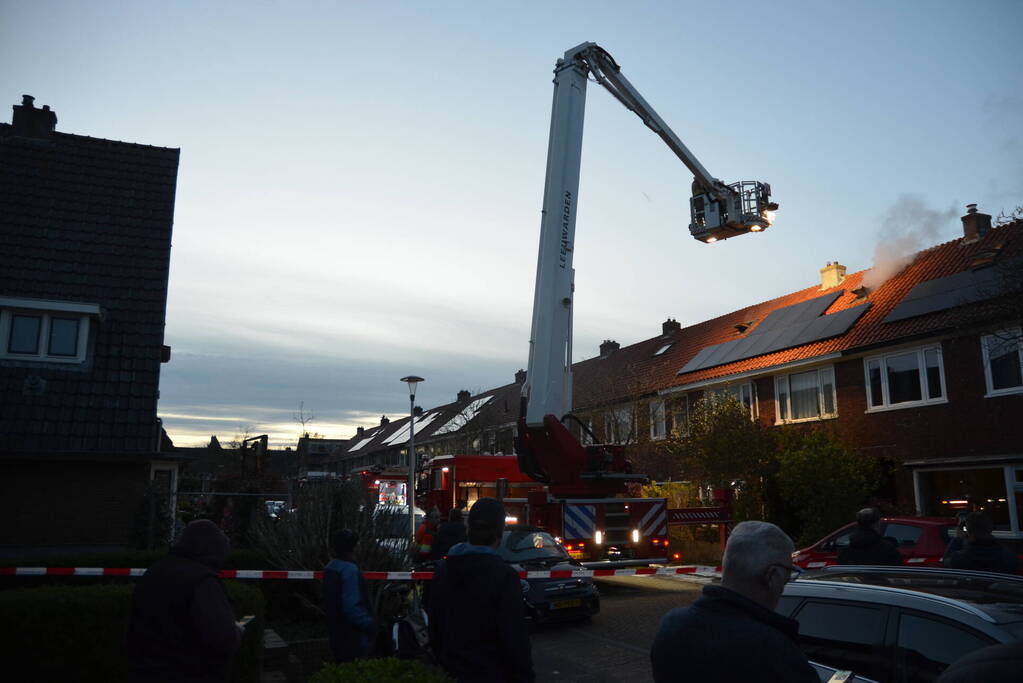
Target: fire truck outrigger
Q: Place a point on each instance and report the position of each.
(581, 501)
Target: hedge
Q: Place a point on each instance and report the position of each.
(76, 633)
(376, 670)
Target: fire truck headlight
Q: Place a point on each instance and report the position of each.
(598, 537)
(635, 535)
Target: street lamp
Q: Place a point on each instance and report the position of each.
(410, 492)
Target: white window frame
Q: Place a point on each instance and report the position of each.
(736, 390)
(821, 414)
(46, 311)
(658, 420)
(920, 351)
(1001, 335)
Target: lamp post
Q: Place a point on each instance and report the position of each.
(410, 491)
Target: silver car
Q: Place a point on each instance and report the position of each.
(901, 625)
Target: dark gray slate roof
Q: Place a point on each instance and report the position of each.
(87, 220)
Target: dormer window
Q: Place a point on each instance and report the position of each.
(44, 331)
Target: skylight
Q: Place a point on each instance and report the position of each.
(464, 416)
(663, 348)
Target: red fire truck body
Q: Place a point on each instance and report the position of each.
(599, 532)
(386, 487)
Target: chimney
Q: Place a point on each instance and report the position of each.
(384, 421)
(975, 224)
(670, 326)
(608, 347)
(463, 396)
(30, 122)
(832, 275)
(359, 431)
(417, 411)
(520, 377)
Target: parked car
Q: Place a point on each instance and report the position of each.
(532, 549)
(902, 624)
(920, 540)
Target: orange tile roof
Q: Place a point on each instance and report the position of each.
(634, 370)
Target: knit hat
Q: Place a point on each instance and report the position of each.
(486, 521)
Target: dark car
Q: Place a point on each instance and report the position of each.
(529, 549)
(902, 624)
(920, 541)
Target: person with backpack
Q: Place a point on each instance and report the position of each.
(351, 628)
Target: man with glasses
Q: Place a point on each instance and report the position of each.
(732, 633)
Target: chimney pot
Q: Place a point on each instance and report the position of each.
(464, 396)
(608, 347)
(27, 100)
(417, 411)
(359, 431)
(975, 224)
(670, 326)
(520, 377)
(832, 275)
(384, 421)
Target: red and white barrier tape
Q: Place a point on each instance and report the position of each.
(379, 576)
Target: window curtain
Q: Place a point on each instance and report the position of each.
(805, 395)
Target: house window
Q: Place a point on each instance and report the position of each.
(658, 420)
(944, 493)
(1003, 361)
(619, 425)
(806, 395)
(679, 415)
(905, 378)
(50, 331)
(743, 393)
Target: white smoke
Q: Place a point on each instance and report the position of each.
(907, 227)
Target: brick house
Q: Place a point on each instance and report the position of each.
(922, 368)
(86, 228)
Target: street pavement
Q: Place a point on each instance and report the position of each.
(613, 646)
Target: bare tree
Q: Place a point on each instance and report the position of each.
(303, 419)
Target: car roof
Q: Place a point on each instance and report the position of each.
(996, 598)
(924, 521)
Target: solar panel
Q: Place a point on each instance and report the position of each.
(806, 310)
(947, 292)
(800, 328)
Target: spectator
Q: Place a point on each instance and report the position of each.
(450, 533)
(182, 627)
(981, 551)
(866, 545)
(425, 534)
(477, 620)
(732, 633)
(350, 626)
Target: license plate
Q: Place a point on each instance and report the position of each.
(564, 604)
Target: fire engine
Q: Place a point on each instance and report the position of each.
(581, 498)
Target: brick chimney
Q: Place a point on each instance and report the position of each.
(359, 431)
(975, 224)
(30, 122)
(463, 396)
(670, 326)
(832, 275)
(418, 411)
(384, 421)
(608, 347)
(520, 377)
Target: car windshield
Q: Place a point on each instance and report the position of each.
(532, 544)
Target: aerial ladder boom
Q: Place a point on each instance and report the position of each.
(547, 450)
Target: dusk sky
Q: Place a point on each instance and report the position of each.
(360, 183)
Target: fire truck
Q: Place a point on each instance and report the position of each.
(386, 487)
(581, 498)
(458, 481)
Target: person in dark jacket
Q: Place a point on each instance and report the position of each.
(987, 665)
(182, 628)
(981, 551)
(866, 545)
(477, 619)
(350, 626)
(732, 633)
(449, 534)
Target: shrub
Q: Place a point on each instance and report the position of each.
(376, 670)
(76, 633)
(823, 481)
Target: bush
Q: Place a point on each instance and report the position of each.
(823, 481)
(375, 670)
(76, 633)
